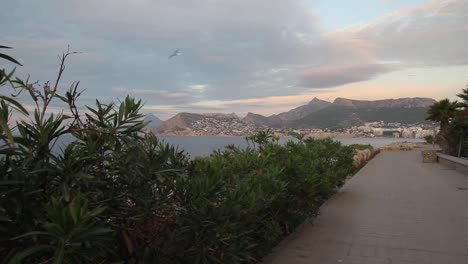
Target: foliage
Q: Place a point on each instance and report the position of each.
(242, 201)
(458, 135)
(115, 195)
(453, 118)
(338, 117)
(443, 111)
(464, 96)
(361, 146)
(429, 139)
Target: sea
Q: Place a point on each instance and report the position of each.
(203, 146)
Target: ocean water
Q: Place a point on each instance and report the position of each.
(202, 146)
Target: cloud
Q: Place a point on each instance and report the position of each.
(323, 77)
(430, 34)
(232, 51)
(199, 88)
(163, 94)
(224, 45)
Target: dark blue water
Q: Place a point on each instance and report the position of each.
(202, 146)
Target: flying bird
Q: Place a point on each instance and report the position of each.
(175, 54)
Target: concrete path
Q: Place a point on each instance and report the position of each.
(395, 210)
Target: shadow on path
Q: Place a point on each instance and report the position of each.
(395, 210)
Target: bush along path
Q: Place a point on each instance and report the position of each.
(112, 196)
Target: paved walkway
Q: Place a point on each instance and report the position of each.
(395, 210)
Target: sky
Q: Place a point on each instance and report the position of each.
(261, 56)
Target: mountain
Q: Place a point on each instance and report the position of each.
(180, 121)
(188, 123)
(279, 119)
(387, 103)
(302, 111)
(259, 120)
(346, 112)
(342, 113)
(153, 119)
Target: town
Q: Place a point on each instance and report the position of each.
(232, 126)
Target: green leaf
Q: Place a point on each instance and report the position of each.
(64, 99)
(84, 175)
(3, 217)
(10, 183)
(28, 252)
(6, 129)
(96, 211)
(59, 254)
(93, 233)
(8, 58)
(16, 104)
(74, 209)
(33, 233)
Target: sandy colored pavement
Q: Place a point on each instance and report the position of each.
(395, 210)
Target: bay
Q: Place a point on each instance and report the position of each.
(203, 146)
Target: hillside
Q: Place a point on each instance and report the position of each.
(256, 119)
(202, 125)
(302, 111)
(154, 120)
(345, 113)
(342, 113)
(387, 103)
(279, 120)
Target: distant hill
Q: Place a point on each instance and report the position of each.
(387, 103)
(153, 119)
(345, 113)
(256, 119)
(317, 113)
(302, 111)
(179, 122)
(184, 123)
(280, 119)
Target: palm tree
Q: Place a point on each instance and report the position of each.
(443, 111)
(464, 96)
(458, 131)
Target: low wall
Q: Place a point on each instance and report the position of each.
(458, 164)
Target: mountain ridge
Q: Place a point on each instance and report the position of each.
(303, 110)
(154, 120)
(340, 113)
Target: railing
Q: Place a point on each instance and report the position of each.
(459, 164)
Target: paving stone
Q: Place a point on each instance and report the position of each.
(397, 209)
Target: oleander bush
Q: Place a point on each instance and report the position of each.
(242, 201)
(115, 195)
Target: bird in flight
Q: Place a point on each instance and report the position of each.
(175, 54)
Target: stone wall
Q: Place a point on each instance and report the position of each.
(363, 156)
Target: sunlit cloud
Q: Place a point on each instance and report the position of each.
(200, 88)
(164, 94)
(323, 77)
(270, 55)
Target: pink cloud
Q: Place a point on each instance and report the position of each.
(163, 94)
(322, 77)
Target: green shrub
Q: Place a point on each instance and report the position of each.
(112, 195)
(361, 146)
(242, 201)
(429, 139)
